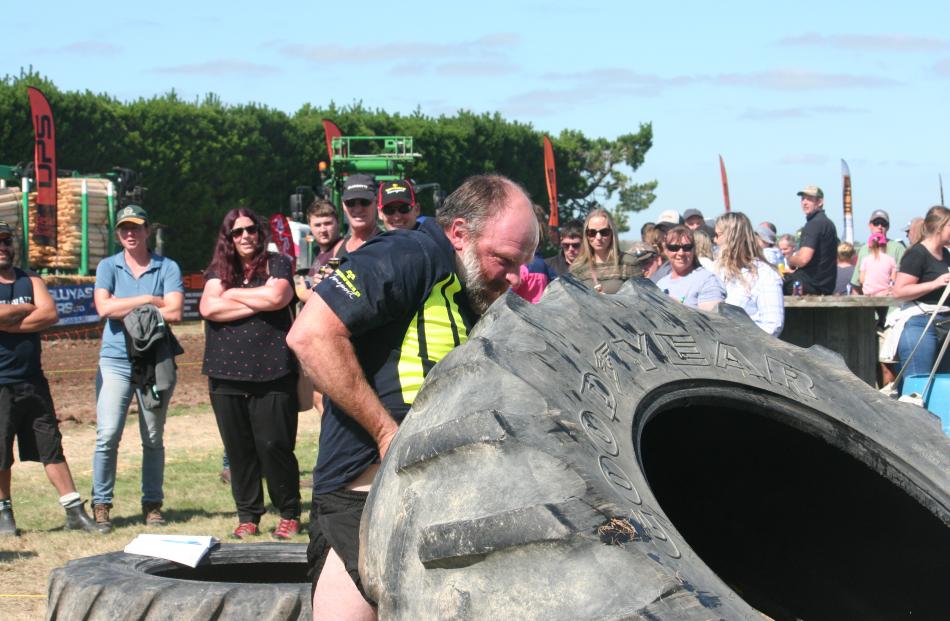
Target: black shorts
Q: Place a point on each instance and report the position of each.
(26, 411)
(335, 523)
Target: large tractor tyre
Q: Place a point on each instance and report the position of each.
(626, 457)
(242, 581)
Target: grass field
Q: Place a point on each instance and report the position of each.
(196, 502)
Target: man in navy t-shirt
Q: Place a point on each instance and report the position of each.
(392, 309)
(816, 260)
(26, 407)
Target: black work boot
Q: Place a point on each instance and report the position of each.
(78, 519)
(7, 523)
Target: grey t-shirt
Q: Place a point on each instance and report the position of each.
(700, 285)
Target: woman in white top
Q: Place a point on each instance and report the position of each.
(751, 282)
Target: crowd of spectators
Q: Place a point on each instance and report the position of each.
(382, 304)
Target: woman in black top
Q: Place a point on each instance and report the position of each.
(924, 273)
(252, 374)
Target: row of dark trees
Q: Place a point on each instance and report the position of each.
(200, 158)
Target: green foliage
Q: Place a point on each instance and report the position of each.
(198, 159)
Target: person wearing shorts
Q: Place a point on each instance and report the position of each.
(26, 407)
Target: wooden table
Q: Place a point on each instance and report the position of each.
(845, 324)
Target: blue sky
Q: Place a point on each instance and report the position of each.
(782, 90)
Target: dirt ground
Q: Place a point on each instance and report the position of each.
(70, 366)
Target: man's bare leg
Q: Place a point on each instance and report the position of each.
(60, 477)
(336, 598)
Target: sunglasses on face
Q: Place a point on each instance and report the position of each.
(605, 232)
(879, 222)
(357, 202)
(251, 230)
(402, 208)
(571, 245)
(678, 247)
(6, 241)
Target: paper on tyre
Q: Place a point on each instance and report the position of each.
(185, 549)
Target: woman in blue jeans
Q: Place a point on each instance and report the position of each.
(923, 275)
(125, 281)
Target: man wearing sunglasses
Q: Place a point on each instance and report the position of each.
(370, 334)
(571, 242)
(397, 205)
(879, 223)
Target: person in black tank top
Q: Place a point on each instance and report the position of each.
(26, 407)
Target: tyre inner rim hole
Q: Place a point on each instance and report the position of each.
(247, 573)
(797, 527)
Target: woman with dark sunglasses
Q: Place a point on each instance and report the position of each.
(252, 374)
(689, 282)
(602, 266)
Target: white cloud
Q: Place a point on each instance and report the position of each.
(871, 43)
(224, 66)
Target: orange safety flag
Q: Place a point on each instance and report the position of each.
(551, 178)
(331, 131)
(43, 229)
(725, 184)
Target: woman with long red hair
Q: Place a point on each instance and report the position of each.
(252, 374)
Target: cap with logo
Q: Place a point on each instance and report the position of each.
(811, 190)
(880, 214)
(359, 186)
(131, 213)
(398, 191)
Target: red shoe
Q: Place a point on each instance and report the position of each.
(286, 529)
(245, 529)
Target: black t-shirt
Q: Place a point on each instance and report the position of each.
(404, 305)
(254, 348)
(19, 352)
(919, 262)
(821, 235)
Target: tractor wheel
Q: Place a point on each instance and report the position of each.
(242, 581)
(627, 457)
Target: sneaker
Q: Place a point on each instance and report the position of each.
(153, 513)
(101, 514)
(286, 529)
(245, 529)
(7, 523)
(78, 519)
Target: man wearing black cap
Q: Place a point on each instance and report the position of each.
(369, 336)
(397, 205)
(26, 407)
(693, 219)
(816, 260)
(880, 222)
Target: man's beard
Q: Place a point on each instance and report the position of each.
(479, 290)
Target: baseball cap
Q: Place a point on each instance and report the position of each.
(766, 234)
(131, 213)
(5, 229)
(670, 216)
(689, 213)
(880, 213)
(811, 190)
(359, 186)
(398, 191)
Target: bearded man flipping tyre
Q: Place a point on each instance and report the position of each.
(368, 338)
